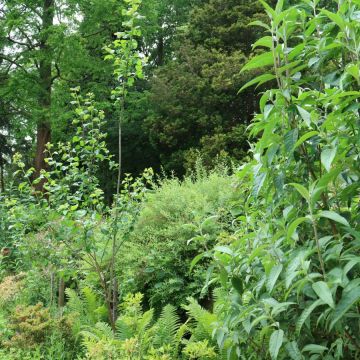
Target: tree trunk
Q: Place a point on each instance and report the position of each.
(45, 82)
(160, 51)
(61, 296)
(2, 181)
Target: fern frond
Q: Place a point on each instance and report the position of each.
(92, 303)
(104, 330)
(168, 325)
(203, 321)
(123, 330)
(145, 321)
(74, 303)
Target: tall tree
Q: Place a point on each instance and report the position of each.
(194, 106)
(27, 27)
(45, 59)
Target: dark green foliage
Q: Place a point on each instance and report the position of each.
(175, 224)
(194, 106)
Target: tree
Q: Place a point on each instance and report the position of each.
(194, 106)
(47, 47)
(27, 29)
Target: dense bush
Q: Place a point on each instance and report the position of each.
(177, 221)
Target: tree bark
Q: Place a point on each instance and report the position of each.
(160, 51)
(2, 180)
(61, 295)
(45, 82)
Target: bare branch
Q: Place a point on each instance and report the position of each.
(13, 62)
(29, 46)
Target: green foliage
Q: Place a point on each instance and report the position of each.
(30, 325)
(138, 336)
(263, 264)
(290, 276)
(194, 106)
(177, 221)
(74, 165)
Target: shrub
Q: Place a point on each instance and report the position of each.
(175, 224)
(30, 324)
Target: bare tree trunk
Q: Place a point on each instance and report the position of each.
(45, 67)
(61, 298)
(2, 180)
(160, 51)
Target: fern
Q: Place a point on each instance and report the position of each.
(74, 303)
(168, 325)
(92, 304)
(202, 320)
(86, 306)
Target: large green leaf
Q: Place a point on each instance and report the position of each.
(276, 340)
(336, 18)
(306, 313)
(314, 349)
(265, 41)
(305, 137)
(305, 115)
(224, 249)
(348, 299)
(327, 157)
(273, 276)
(293, 226)
(334, 216)
(259, 61)
(293, 351)
(322, 290)
(302, 191)
(259, 80)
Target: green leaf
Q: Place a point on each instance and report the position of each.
(290, 139)
(296, 51)
(196, 259)
(293, 350)
(269, 10)
(349, 298)
(259, 61)
(224, 249)
(322, 290)
(329, 177)
(334, 216)
(327, 157)
(265, 41)
(258, 183)
(259, 23)
(306, 313)
(353, 70)
(273, 276)
(337, 19)
(276, 340)
(259, 80)
(279, 6)
(237, 283)
(293, 226)
(305, 137)
(314, 349)
(305, 115)
(302, 191)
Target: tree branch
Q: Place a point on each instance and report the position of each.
(29, 46)
(14, 62)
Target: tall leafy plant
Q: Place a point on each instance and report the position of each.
(292, 273)
(128, 65)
